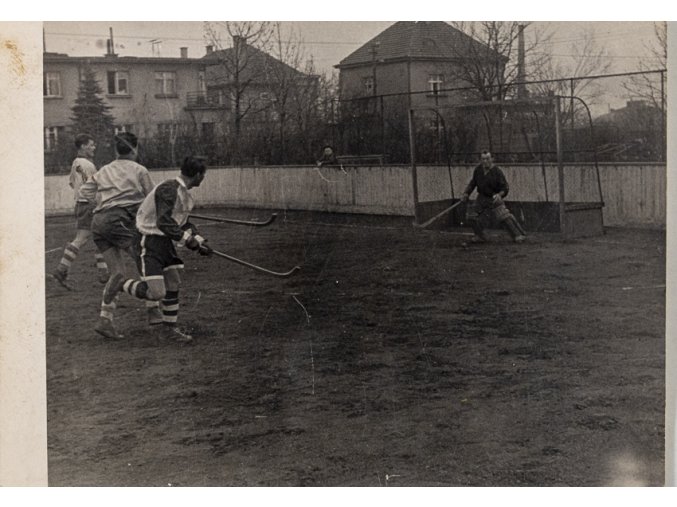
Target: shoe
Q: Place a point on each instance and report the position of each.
(106, 329)
(154, 316)
(175, 334)
(62, 278)
(478, 239)
(113, 287)
(104, 275)
(520, 238)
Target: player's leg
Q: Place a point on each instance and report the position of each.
(170, 306)
(508, 221)
(70, 253)
(107, 228)
(115, 262)
(474, 218)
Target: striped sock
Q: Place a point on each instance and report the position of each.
(100, 263)
(170, 307)
(152, 304)
(69, 255)
(108, 310)
(136, 288)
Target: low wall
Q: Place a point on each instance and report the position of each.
(634, 194)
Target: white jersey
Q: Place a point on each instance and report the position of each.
(81, 170)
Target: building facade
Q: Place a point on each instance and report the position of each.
(172, 104)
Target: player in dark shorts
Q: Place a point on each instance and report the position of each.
(162, 220)
(119, 189)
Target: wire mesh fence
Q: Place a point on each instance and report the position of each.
(616, 118)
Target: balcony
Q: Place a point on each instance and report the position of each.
(206, 100)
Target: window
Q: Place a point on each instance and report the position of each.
(208, 132)
(167, 130)
(165, 83)
(368, 83)
(52, 136)
(119, 129)
(118, 82)
(201, 83)
(435, 81)
(52, 84)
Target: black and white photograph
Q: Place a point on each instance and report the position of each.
(353, 253)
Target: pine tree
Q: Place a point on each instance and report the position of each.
(91, 115)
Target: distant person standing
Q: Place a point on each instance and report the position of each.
(81, 170)
(328, 157)
(492, 188)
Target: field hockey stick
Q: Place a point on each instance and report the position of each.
(437, 217)
(238, 222)
(255, 267)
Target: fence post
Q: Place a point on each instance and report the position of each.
(412, 155)
(560, 166)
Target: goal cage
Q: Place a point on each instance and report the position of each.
(551, 169)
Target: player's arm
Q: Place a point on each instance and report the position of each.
(165, 200)
(472, 184)
(166, 195)
(89, 188)
(145, 182)
(502, 185)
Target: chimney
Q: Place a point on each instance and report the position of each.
(209, 49)
(110, 44)
(184, 52)
(521, 73)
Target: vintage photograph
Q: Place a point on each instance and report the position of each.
(375, 254)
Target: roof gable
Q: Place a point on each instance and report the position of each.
(418, 40)
(254, 61)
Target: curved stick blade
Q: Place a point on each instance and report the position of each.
(257, 268)
(256, 223)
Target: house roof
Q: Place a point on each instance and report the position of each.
(421, 40)
(64, 58)
(257, 61)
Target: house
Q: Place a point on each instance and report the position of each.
(147, 95)
(167, 100)
(410, 57)
(408, 65)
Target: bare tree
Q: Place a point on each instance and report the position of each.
(651, 87)
(585, 58)
(488, 60)
(238, 47)
(285, 78)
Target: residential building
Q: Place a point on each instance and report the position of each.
(166, 100)
(408, 65)
(413, 56)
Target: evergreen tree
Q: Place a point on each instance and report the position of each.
(91, 115)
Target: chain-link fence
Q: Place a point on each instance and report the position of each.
(619, 117)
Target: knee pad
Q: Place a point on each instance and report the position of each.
(502, 213)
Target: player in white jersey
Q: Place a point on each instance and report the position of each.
(81, 170)
(162, 220)
(119, 188)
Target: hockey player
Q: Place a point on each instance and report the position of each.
(492, 188)
(119, 188)
(81, 170)
(162, 220)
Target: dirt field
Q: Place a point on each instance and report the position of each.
(395, 357)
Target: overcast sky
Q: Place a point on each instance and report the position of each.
(327, 41)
